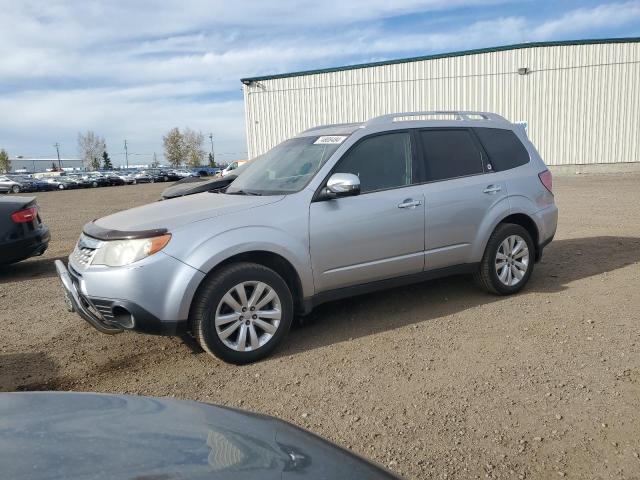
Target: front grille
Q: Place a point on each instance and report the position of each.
(85, 250)
(83, 255)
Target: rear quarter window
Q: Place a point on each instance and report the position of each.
(503, 147)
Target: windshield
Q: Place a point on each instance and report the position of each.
(287, 167)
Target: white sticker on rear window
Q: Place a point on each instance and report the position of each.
(330, 140)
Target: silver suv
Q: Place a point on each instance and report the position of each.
(336, 211)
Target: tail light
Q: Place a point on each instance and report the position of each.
(547, 180)
(25, 216)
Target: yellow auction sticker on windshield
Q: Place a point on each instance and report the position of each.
(330, 140)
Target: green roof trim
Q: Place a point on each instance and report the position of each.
(461, 53)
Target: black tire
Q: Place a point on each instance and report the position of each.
(209, 296)
(487, 276)
(15, 189)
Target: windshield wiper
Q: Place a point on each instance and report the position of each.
(243, 192)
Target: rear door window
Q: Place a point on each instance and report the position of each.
(449, 153)
(503, 147)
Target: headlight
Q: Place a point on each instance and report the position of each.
(118, 253)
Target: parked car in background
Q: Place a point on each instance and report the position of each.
(79, 180)
(205, 171)
(232, 166)
(113, 179)
(22, 233)
(96, 179)
(160, 175)
(61, 434)
(42, 186)
(61, 183)
(333, 212)
(9, 185)
(182, 173)
(142, 177)
(27, 184)
(127, 177)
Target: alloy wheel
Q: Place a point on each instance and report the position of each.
(512, 260)
(248, 316)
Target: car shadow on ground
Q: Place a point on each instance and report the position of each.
(33, 268)
(564, 262)
(27, 372)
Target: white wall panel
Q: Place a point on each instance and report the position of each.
(581, 102)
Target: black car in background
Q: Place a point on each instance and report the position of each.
(27, 184)
(71, 436)
(160, 175)
(114, 180)
(22, 233)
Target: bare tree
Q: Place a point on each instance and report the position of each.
(193, 142)
(174, 149)
(91, 147)
(5, 163)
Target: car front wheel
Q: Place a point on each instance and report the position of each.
(508, 260)
(15, 189)
(242, 313)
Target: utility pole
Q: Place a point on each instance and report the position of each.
(213, 158)
(126, 153)
(57, 145)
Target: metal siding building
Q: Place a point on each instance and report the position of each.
(581, 100)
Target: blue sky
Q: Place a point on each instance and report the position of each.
(135, 69)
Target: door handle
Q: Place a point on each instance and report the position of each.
(409, 203)
(492, 189)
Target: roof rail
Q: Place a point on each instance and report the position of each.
(455, 114)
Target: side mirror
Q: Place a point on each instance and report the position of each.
(342, 185)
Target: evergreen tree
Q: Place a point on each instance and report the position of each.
(212, 160)
(106, 161)
(5, 163)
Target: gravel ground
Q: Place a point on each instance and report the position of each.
(436, 380)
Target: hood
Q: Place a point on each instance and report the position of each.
(96, 436)
(182, 211)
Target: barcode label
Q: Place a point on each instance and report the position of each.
(330, 139)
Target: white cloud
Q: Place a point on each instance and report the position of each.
(590, 19)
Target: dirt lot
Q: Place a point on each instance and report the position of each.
(437, 380)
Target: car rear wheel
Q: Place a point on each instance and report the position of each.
(508, 260)
(15, 188)
(242, 313)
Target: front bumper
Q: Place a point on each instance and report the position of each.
(81, 305)
(112, 316)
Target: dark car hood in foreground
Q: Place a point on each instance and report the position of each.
(96, 436)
